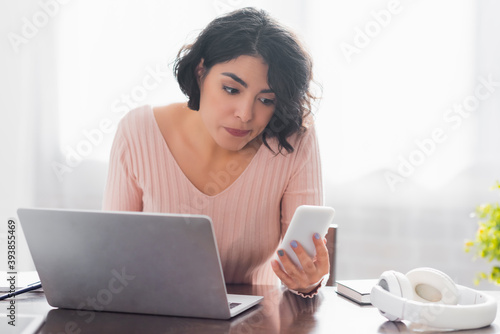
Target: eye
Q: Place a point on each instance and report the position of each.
(230, 90)
(267, 102)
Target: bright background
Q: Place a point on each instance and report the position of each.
(392, 74)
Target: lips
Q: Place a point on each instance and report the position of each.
(237, 132)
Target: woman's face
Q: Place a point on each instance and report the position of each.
(236, 102)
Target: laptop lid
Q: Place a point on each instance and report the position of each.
(132, 262)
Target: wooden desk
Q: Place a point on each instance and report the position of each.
(280, 312)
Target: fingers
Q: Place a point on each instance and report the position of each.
(320, 264)
(308, 266)
(290, 274)
(313, 269)
(322, 257)
(293, 271)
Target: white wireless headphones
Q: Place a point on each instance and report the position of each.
(429, 297)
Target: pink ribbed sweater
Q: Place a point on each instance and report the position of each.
(250, 216)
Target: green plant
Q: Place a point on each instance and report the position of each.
(487, 241)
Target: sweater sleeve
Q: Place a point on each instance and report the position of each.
(122, 191)
(304, 188)
(305, 185)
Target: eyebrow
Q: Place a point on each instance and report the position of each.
(243, 83)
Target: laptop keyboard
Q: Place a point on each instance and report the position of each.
(233, 305)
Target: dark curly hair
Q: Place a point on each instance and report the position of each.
(253, 32)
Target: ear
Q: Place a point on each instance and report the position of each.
(200, 71)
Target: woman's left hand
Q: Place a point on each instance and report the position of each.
(313, 270)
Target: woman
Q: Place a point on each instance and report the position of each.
(242, 150)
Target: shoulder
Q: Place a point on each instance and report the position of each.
(130, 128)
(137, 115)
(136, 127)
(307, 136)
(169, 114)
(146, 118)
(134, 121)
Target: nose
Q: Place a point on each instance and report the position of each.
(244, 111)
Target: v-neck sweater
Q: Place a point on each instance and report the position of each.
(250, 216)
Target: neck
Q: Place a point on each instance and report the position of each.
(202, 141)
(208, 149)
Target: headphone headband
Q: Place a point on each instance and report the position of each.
(474, 309)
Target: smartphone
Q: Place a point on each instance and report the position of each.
(307, 220)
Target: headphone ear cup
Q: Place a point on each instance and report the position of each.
(397, 284)
(432, 286)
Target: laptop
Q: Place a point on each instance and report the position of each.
(133, 262)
